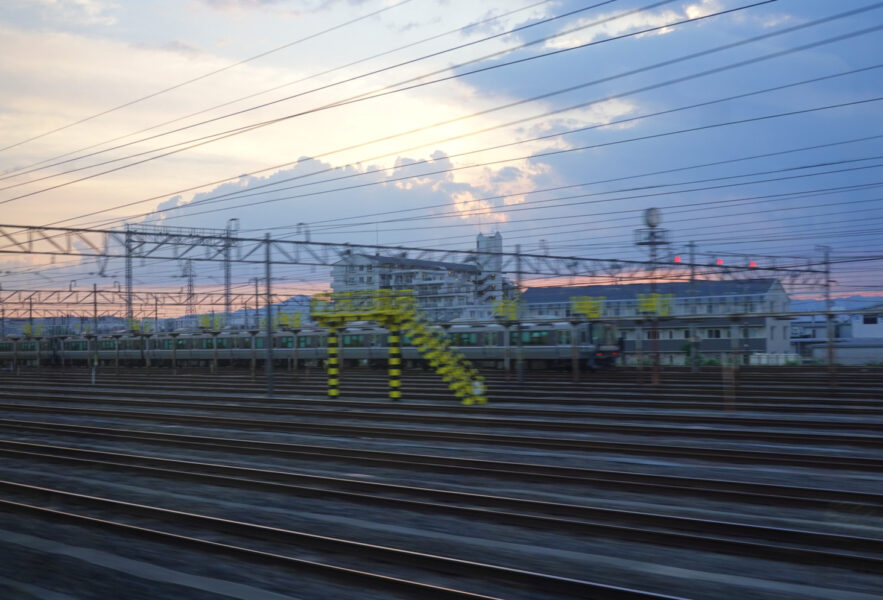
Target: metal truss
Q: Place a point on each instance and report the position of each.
(111, 302)
(213, 245)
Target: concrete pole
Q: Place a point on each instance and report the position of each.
(574, 350)
(268, 367)
(519, 343)
(174, 353)
(95, 308)
(130, 315)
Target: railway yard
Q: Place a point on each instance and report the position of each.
(148, 485)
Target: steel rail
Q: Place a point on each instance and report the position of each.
(490, 416)
(751, 492)
(567, 587)
(798, 546)
(287, 449)
(222, 393)
(499, 391)
(863, 441)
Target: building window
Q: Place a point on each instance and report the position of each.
(869, 319)
(713, 333)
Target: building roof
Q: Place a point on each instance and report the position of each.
(631, 291)
(400, 261)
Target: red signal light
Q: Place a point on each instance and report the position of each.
(752, 264)
(677, 259)
(719, 261)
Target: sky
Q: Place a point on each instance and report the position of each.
(755, 127)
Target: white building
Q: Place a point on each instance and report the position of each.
(444, 290)
(696, 315)
(860, 342)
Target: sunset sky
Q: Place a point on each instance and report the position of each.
(757, 132)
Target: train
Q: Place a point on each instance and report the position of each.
(544, 345)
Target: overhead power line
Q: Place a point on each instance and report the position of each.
(205, 75)
(362, 97)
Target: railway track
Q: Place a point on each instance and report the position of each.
(867, 464)
(369, 382)
(803, 438)
(295, 398)
(236, 534)
(851, 552)
(764, 494)
(98, 459)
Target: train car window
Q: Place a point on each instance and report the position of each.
(563, 338)
(223, 343)
(353, 340)
(530, 338)
(493, 338)
(5, 347)
(465, 338)
(259, 342)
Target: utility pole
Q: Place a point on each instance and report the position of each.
(694, 342)
(257, 297)
(653, 236)
(95, 308)
(232, 226)
(519, 344)
(130, 315)
(832, 367)
(269, 342)
(191, 307)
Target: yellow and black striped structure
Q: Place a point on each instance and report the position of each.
(333, 364)
(394, 342)
(397, 311)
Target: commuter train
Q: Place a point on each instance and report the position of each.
(548, 345)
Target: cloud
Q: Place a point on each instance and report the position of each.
(176, 46)
(776, 20)
(633, 22)
(84, 12)
(301, 6)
